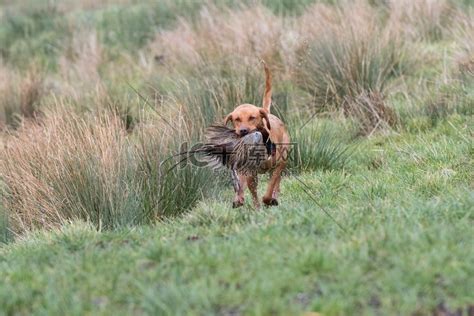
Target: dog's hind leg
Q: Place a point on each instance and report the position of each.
(271, 195)
(276, 189)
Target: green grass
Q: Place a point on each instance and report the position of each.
(406, 202)
(32, 31)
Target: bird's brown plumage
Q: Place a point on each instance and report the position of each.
(224, 147)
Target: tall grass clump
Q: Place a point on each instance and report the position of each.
(348, 53)
(349, 60)
(169, 181)
(371, 113)
(88, 167)
(318, 146)
(67, 168)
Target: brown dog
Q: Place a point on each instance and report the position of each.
(247, 118)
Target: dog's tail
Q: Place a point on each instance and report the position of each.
(267, 97)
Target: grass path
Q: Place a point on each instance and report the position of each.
(406, 201)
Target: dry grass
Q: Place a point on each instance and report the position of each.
(422, 19)
(371, 112)
(79, 67)
(7, 97)
(349, 62)
(69, 166)
(58, 168)
(239, 37)
(31, 91)
(464, 36)
(20, 94)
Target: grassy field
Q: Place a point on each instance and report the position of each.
(376, 214)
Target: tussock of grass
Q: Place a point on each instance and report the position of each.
(371, 112)
(318, 146)
(349, 53)
(69, 167)
(349, 61)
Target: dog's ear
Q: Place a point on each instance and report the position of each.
(264, 115)
(228, 118)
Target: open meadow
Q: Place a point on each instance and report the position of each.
(376, 214)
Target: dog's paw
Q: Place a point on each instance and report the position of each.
(270, 202)
(237, 204)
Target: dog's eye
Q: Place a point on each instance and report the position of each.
(237, 119)
(251, 118)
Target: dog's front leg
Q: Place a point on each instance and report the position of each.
(252, 182)
(239, 183)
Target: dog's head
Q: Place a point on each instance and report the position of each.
(247, 118)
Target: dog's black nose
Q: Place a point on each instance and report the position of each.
(243, 131)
